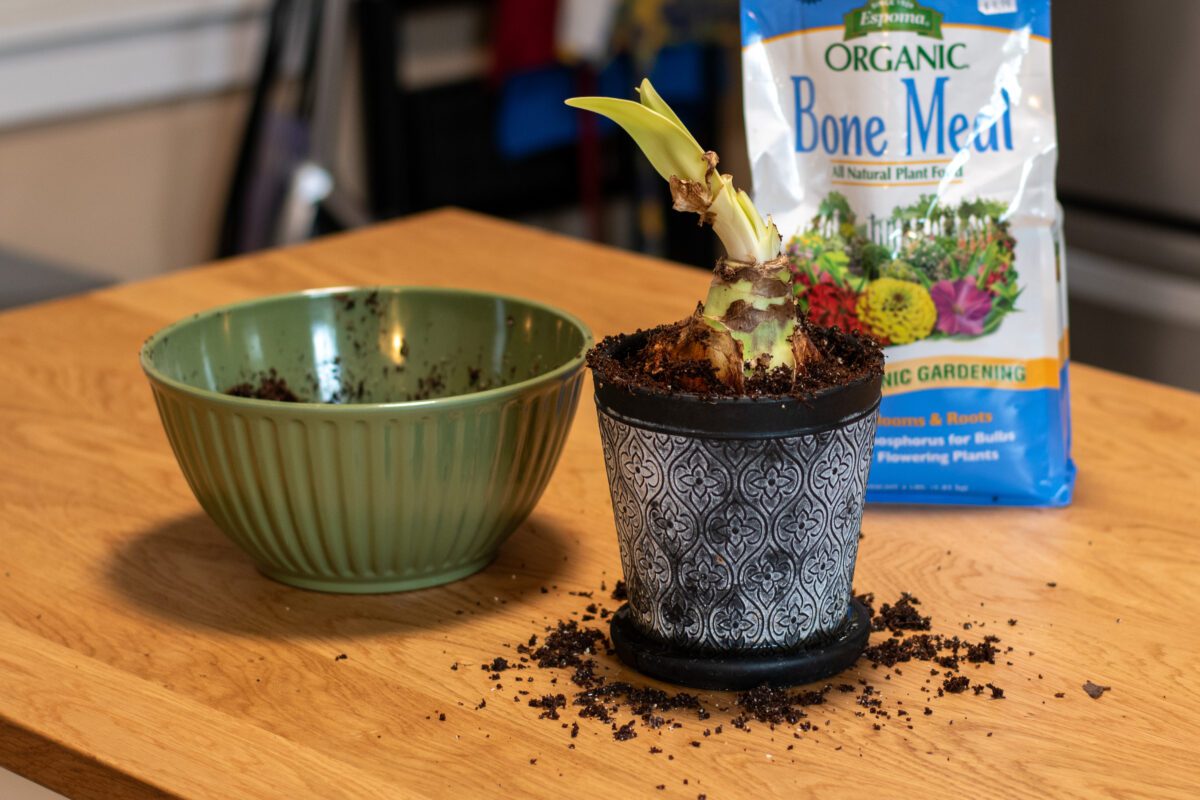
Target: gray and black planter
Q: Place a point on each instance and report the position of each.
(738, 522)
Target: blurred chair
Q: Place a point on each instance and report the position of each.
(499, 140)
(283, 176)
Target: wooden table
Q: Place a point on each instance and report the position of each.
(142, 654)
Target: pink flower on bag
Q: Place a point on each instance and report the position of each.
(961, 306)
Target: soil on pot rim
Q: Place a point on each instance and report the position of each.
(845, 357)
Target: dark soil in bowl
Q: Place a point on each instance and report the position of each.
(844, 358)
(270, 387)
(424, 372)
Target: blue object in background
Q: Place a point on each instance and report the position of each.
(678, 75)
(532, 118)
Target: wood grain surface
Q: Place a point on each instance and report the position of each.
(141, 655)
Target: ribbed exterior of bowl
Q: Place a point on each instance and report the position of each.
(382, 500)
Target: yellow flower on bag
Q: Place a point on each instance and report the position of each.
(810, 239)
(897, 311)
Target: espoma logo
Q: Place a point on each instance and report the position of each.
(893, 15)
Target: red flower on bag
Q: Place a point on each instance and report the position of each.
(996, 276)
(831, 306)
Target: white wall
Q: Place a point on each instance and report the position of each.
(121, 195)
(119, 120)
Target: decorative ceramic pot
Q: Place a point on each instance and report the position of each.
(738, 521)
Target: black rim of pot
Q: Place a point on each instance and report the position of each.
(734, 417)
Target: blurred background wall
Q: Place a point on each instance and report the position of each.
(120, 194)
(119, 122)
(140, 136)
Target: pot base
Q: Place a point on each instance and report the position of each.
(740, 671)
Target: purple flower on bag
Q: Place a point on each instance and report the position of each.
(961, 306)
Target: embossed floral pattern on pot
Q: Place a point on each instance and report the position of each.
(738, 544)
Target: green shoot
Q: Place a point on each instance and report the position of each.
(695, 183)
(748, 319)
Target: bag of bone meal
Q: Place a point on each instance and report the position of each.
(906, 149)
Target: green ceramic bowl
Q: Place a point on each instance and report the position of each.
(431, 422)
